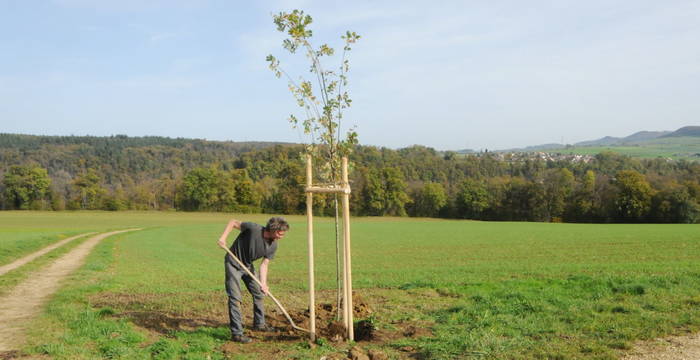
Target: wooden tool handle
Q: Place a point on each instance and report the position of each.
(255, 278)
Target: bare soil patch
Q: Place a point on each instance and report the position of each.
(267, 344)
(25, 301)
(684, 347)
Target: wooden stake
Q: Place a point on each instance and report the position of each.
(344, 190)
(310, 236)
(347, 257)
(346, 317)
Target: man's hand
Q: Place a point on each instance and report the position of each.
(222, 243)
(265, 289)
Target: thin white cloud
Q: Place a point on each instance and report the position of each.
(156, 83)
(162, 36)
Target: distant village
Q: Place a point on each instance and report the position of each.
(522, 156)
(519, 156)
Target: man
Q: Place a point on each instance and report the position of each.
(253, 242)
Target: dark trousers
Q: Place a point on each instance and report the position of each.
(233, 289)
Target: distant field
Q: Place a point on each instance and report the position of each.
(21, 234)
(480, 290)
(675, 148)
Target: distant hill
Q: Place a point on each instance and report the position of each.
(124, 160)
(119, 142)
(608, 140)
(685, 131)
(639, 137)
(465, 151)
(644, 135)
(683, 143)
(543, 147)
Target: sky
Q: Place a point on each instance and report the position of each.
(449, 75)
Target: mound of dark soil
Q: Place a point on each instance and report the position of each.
(364, 330)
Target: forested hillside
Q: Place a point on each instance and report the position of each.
(119, 172)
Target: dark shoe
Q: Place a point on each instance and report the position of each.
(241, 339)
(265, 328)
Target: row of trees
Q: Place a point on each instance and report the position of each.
(415, 181)
(558, 196)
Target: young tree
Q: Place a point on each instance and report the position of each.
(322, 100)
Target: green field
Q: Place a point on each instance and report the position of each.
(676, 148)
(435, 288)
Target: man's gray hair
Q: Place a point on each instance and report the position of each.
(277, 224)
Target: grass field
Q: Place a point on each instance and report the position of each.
(436, 288)
(675, 148)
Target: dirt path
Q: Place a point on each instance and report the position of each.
(25, 301)
(17, 263)
(685, 347)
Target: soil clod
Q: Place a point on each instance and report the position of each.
(356, 353)
(335, 356)
(8, 355)
(336, 331)
(377, 355)
(413, 331)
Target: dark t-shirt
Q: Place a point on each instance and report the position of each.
(250, 245)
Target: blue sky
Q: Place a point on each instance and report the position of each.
(447, 74)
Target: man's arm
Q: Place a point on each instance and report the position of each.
(233, 224)
(263, 275)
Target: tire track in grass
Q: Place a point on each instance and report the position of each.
(26, 299)
(19, 262)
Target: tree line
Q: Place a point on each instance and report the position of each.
(120, 173)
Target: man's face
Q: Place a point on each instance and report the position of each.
(276, 235)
